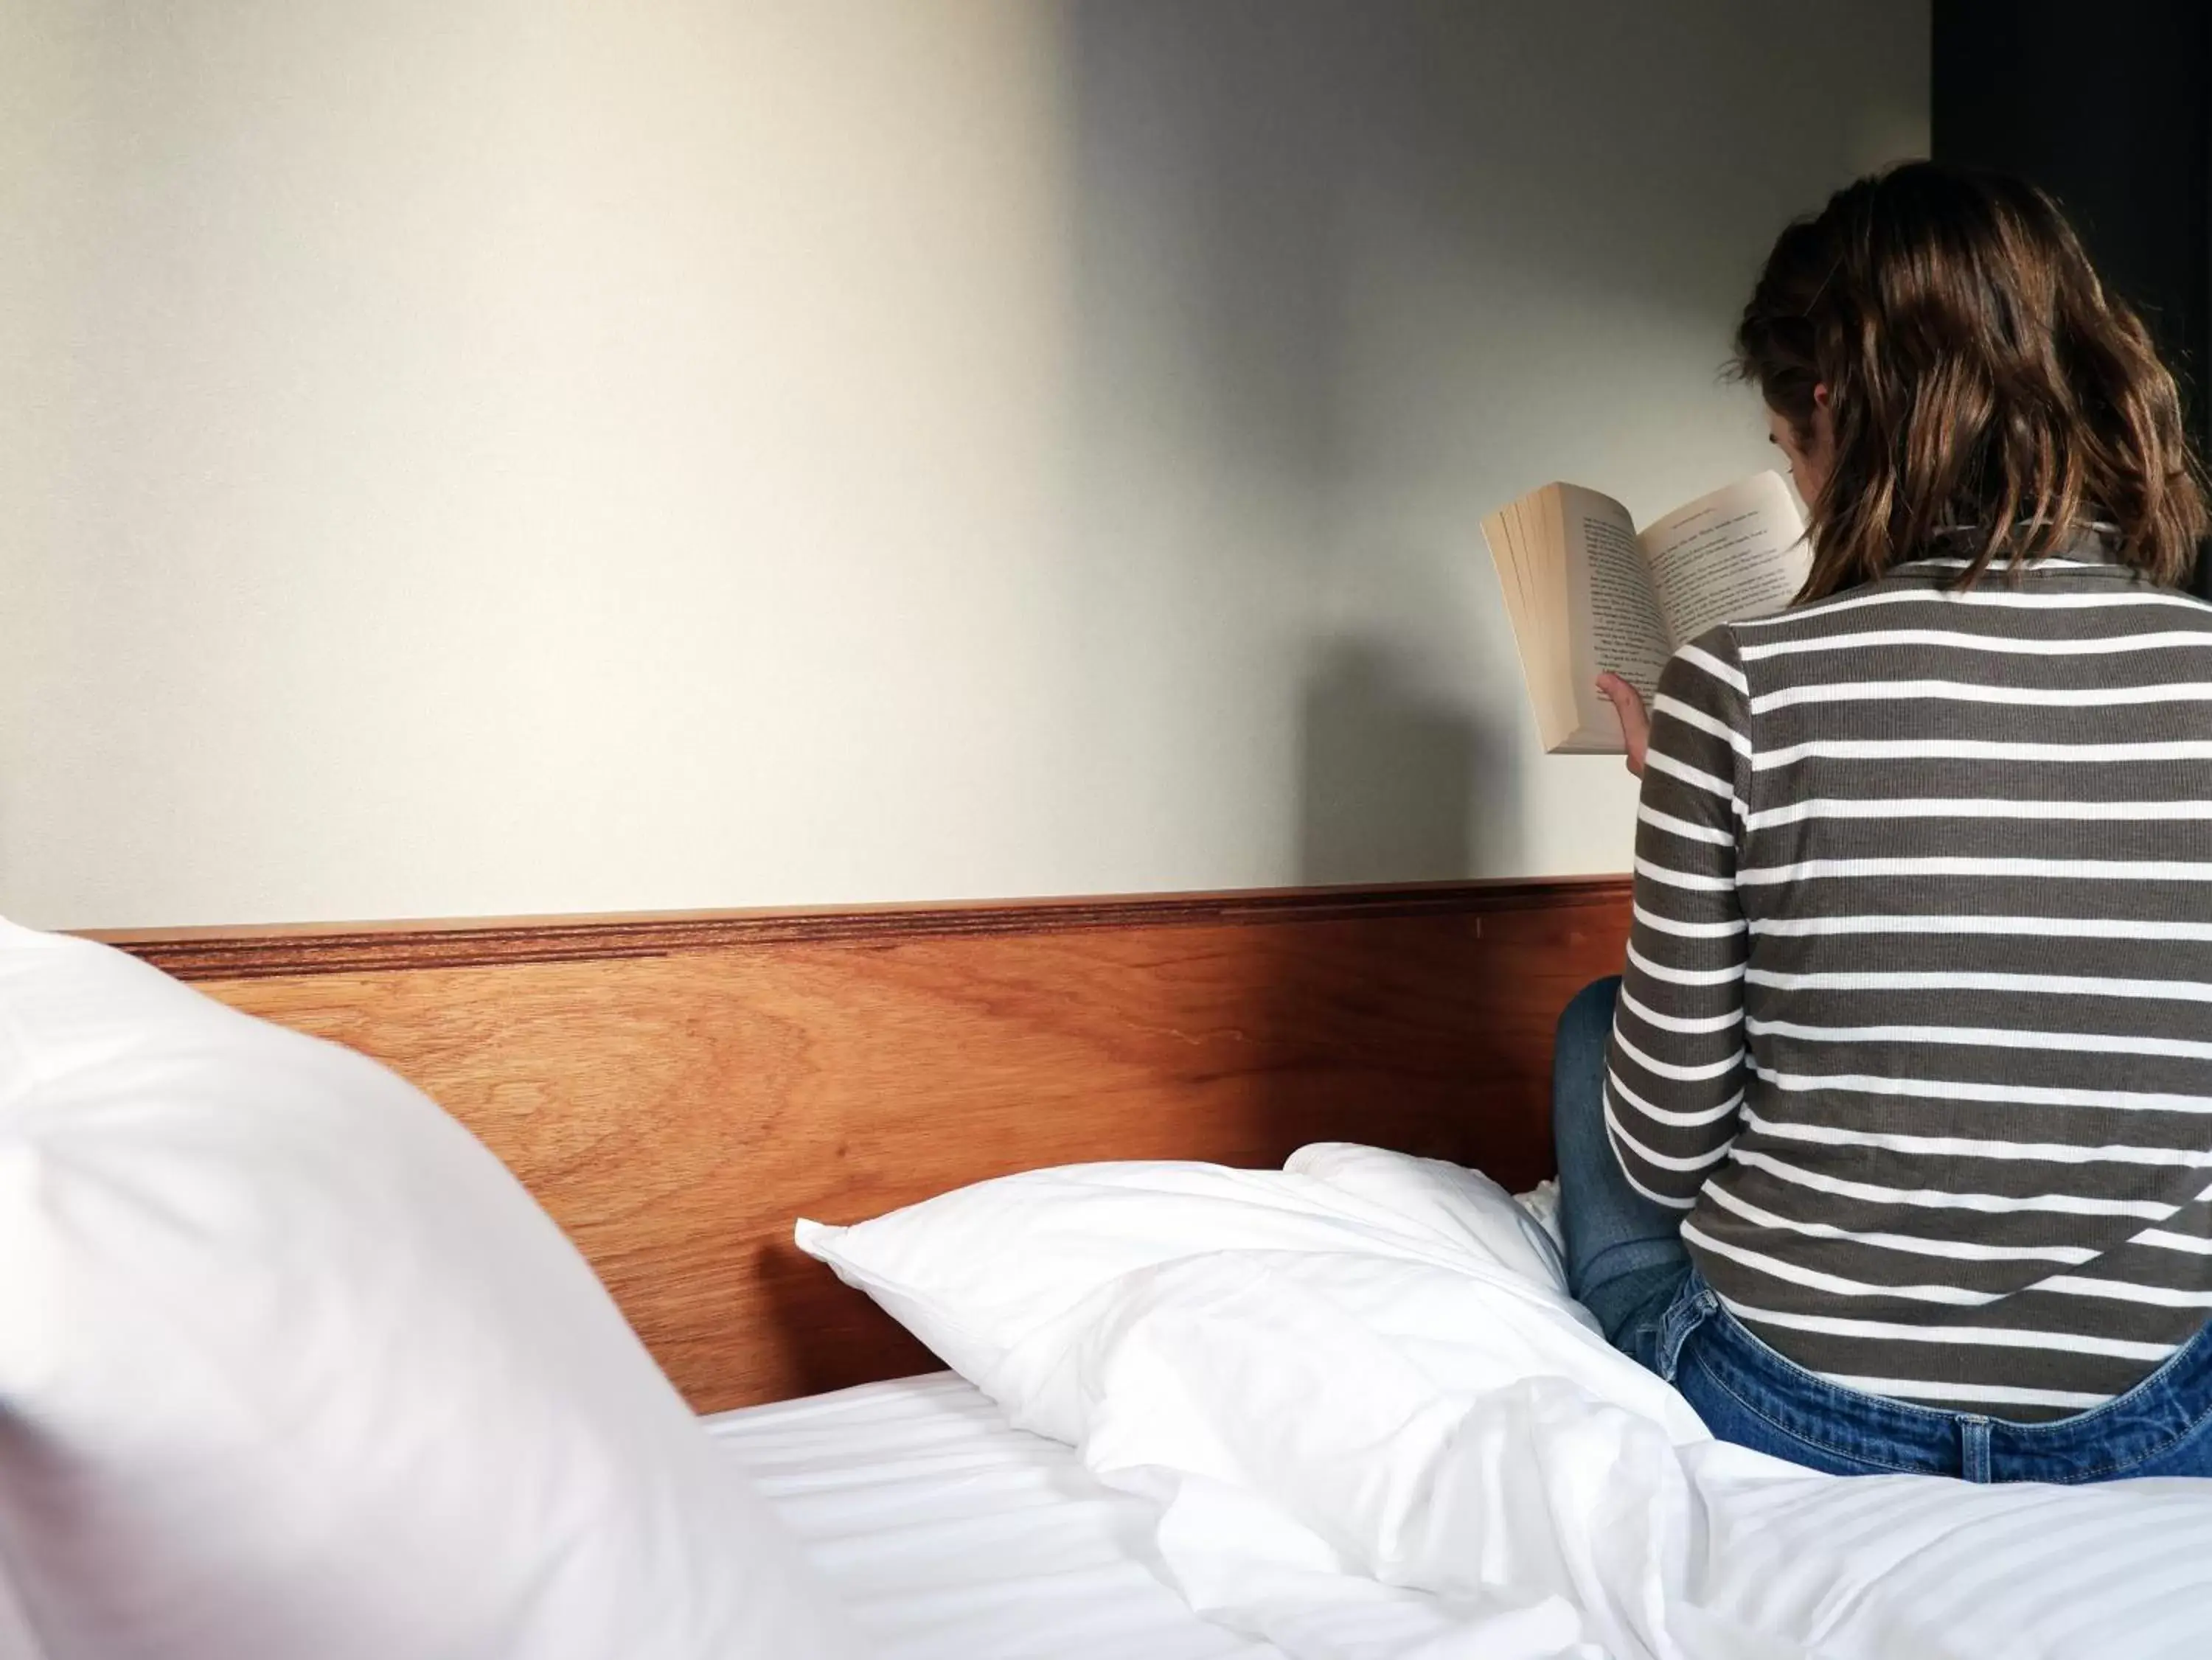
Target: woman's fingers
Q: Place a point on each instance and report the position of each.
(1635, 722)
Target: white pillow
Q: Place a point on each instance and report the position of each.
(1461, 1205)
(291, 1366)
(999, 1277)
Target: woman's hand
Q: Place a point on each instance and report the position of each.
(1635, 722)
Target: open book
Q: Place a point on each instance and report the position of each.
(1588, 594)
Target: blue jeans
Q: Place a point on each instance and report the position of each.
(1627, 1265)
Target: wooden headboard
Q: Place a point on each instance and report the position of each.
(675, 1089)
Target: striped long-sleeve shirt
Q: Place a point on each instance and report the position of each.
(1917, 1024)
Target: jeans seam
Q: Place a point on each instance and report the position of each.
(1779, 1427)
(2114, 1466)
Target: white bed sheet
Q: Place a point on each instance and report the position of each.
(1375, 1443)
(954, 1536)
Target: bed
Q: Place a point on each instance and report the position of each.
(675, 1091)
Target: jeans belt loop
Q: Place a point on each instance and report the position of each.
(1675, 1330)
(1974, 1446)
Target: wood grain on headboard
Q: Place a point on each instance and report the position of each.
(677, 1089)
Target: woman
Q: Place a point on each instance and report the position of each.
(1891, 1147)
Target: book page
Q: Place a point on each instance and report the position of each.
(1538, 534)
(1498, 530)
(1528, 563)
(1557, 712)
(1568, 728)
(1738, 553)
(1616, 623)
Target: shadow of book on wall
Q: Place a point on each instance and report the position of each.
(1394, 783)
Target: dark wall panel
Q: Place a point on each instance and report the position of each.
(2109, 107)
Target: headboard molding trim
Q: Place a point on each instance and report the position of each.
(290, 950)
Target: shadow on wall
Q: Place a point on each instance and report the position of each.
(1392, 780)
(1345, 277)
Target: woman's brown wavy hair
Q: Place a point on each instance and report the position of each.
(1987, 393)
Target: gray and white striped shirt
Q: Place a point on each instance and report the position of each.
(1917, 1024)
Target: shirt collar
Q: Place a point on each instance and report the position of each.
(2095, 546)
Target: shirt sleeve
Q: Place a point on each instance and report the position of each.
(1674, 1084)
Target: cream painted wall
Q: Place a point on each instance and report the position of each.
(494, 456)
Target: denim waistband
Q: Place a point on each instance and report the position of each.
(2128, 1431)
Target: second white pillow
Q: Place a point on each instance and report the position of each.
(992, 1276)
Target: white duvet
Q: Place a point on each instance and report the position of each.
(1377, 1429)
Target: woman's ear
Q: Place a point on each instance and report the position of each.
(1821, 400)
